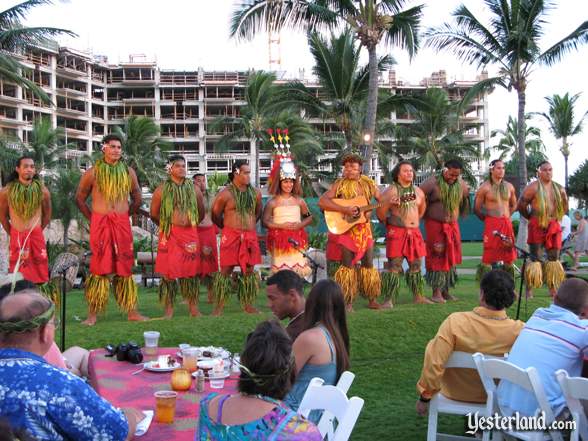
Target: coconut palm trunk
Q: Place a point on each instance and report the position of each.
(522, 154)
(255, 152)
(565, 150)
(372, 107)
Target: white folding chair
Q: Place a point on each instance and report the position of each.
(574, 390)
(326, 423)
(332, 399)
(441, 404)
(528, 379)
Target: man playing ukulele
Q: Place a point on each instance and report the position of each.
(357, 243)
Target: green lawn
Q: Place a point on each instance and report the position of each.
(471, 248)
(386, 348)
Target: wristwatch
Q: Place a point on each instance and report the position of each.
(424, 400)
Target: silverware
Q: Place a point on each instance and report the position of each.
(140, 370)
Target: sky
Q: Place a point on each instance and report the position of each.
(187, 34)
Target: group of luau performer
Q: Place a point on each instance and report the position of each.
(543, 202)
(187, 249)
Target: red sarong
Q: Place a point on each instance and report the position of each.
(495, 249)
(178, 255)
(207, 236)
(111, 243)
(278, 239)
(333, 251)
(239, 247)
(404, 242)
(34, 264)
(443, 245)
(550, 236)
(357, 240)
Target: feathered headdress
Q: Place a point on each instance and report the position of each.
(283, 167)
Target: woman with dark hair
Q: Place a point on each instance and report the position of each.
(285, 216)
(267, 373)
(322, 350)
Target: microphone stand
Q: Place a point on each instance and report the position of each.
(63, 272)
(526, 255)
(313, 263)
(63, 297)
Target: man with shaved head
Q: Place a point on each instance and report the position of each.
(553, 338)
(50, 403)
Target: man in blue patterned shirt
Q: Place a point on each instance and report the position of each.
(50, 403)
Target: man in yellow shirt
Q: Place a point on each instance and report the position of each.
(486, 329)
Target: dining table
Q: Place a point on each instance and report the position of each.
(124, 387)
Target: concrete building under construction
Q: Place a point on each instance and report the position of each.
(92, 96)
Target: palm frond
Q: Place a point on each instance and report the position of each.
(404, 31)
(250, 17)
(567, 44)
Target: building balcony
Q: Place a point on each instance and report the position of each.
(138, 100)
(70, 72)
(64, 91)
(72, 112)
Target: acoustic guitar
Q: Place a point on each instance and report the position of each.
(339, 223)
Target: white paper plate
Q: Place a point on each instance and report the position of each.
(153, 366)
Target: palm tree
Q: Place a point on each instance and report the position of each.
(511, 42)
(579, 184)
(63, 188)
(508, 145)
(344, 82)
(46, 145)
(374, 21)
(434, 136)
(252, 123)
(144, 150)
(10, 151)
(14, 38)
(560, 118)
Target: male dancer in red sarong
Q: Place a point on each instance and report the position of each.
(446, 194)
(25, 211)
(207, 232)
(548, 203)
(402, 208)
(494, 204)
(109, 183)
(357, 244)
(236, 210)
(177, 207)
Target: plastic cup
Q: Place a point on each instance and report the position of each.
(151, 342)
(165, 406)
(217, 380)
(190, 358)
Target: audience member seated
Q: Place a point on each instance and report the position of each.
(322, 349)
(267, 373)
(74, 359)
(51, 403)
(486, 329)
(285, 297)
(553, 338)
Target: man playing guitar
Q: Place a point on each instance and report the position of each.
(357, 243)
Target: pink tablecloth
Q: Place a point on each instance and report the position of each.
(113, 380)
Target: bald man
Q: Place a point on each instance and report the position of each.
(50, 403)
(553, 338)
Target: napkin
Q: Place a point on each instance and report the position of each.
(143, 426)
